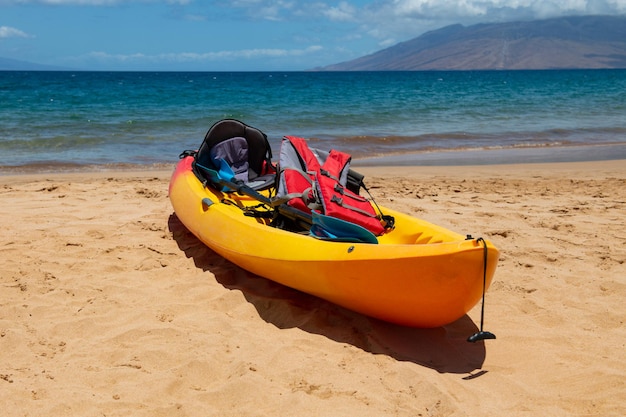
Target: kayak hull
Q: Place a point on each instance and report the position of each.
(419, 275)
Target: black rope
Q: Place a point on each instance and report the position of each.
(482, 309)
(482, 335)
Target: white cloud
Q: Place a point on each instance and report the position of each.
(348, 9)
(388, 20)
(9, 32)
(275, 10)
(202, 56)
(503, 9)
(343, 12)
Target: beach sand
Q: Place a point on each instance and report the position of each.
(109, 306)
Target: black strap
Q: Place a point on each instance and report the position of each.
(252, 211)
(390, 221)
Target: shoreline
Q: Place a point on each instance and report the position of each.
(381, 172)
(505, 156)
(453, 157)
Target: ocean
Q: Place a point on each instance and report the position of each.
(68, 121)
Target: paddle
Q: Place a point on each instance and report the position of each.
(331, 228)
(322, 226)
(226, 179)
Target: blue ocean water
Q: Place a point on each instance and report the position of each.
(80, 120)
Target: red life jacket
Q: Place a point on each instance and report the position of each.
(321, 187)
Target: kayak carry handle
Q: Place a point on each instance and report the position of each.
(206, 203)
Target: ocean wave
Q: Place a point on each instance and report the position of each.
(90, 118)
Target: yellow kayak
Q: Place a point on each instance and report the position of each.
(418, 275)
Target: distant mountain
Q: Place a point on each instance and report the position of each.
(7, 64)
(560, 43)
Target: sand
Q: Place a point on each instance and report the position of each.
(109, 306)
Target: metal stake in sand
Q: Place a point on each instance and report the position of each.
(482, 335)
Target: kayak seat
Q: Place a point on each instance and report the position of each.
(240, 150)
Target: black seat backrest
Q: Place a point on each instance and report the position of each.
(259, 151)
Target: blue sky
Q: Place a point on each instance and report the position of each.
(242, 35)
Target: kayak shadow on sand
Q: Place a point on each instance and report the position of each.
(444, 349)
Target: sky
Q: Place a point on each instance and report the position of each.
(242, 35)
